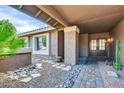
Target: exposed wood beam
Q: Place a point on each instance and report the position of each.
(20, 6)
(51, 12)
(38, 13)
(55, 23)
(48, 19)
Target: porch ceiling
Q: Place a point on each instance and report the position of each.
(89, 19)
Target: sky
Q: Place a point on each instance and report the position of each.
(21, 21)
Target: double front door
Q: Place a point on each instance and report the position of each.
(97, 47)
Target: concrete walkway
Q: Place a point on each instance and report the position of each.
(94, 75)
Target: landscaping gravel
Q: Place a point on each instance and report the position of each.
(50, 77)
(71, 77)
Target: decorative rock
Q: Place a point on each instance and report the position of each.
(23, 74)
(112, 74)
(31, 70)
(71, 77)
(13, 77)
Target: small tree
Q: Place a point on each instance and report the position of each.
(9, 41)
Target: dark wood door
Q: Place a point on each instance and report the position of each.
(97, 47)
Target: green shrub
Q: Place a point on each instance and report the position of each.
(9, 41)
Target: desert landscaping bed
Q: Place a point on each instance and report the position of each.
(49, 77)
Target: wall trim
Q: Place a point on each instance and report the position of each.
(71, 28)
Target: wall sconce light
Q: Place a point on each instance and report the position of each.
(109, 40)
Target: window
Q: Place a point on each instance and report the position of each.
(102, 44)
(41, 42)
(93, 45)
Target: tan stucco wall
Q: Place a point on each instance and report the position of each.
(83, 45)
(71, 41)
(70, 47)
(77, 46)
(54, 43)
(118, 34)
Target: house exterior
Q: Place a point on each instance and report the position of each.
(43, 41)
(79, 31)
(50, 42)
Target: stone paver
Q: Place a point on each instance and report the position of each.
(89, 77)
(109, 81)
(94, 75)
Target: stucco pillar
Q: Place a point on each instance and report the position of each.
(71, 45)
(54, 43)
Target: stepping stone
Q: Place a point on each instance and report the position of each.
(112, 74)
(55, 65)
(37, 59)
(52, 63)
(45, 60)
(49, 61)
(10, 72)
(67, 68)
(36, 75)
(58, 67)
(25, 80)
(62, 65)
(39, 65)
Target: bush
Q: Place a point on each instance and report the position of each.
(9, 41)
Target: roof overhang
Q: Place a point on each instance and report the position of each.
(44, 13)
(37, 31)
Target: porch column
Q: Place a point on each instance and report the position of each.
(71, 45)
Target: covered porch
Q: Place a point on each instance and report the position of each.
(82, 31)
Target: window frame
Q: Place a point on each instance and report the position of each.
(102, 46)
(93, 47)
(42, 51)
